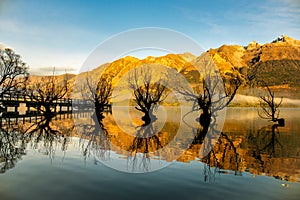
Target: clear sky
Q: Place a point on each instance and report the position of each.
(62, 33)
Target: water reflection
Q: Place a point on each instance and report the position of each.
(12, 148)
(94, 137)
(148, 146)
(224, 156)
(261, 152)
(41, 135)
(266, 142)
(267, 148)
(145, 142)
(243, 146)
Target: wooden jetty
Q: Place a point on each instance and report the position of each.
(10, 106)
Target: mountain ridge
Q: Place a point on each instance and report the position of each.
(276, 64)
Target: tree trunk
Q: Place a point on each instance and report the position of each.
(205, 118)
(146, 118)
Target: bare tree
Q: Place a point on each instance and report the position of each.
(13, 73)
(213, 92)
(98, 92)
(232, 81)
(269, 106)
(147, 93)
(46, 92)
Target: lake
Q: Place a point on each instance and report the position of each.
(247, 158)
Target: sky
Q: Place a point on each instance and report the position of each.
(62, 34)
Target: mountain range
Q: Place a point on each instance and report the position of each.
(276, 64)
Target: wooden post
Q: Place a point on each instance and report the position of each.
(28, 108)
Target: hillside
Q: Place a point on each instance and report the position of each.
(276, 64)
(119, 69)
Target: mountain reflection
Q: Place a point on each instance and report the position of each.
(261, 150)
(146, 143)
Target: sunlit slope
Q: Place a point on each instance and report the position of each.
(276, 64)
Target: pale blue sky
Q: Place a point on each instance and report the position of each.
(63, 33)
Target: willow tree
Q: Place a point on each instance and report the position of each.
(147, 92)
(269, 107)
(46, 91)
(99, 92)
(13, 73)
(213, 91)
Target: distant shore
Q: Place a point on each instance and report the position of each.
(252, 101)
(238, 101)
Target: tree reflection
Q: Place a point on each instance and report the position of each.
(12, 148)
(224, 155)
(255, 153)
(45, 135)
(15, 138)
(216, 150)
(264, 145)
(271, 138)
(146, 141)
(95, 138)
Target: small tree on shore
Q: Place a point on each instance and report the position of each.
(269, 106)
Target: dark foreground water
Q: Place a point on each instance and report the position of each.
(252, 160)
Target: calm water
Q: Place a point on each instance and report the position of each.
(251, 160)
